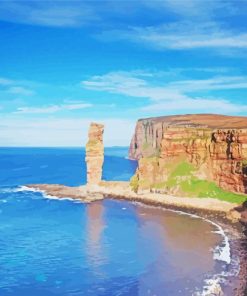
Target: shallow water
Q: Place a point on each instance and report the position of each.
(59, 247)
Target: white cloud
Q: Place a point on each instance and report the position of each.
(62, 132)
(129, 84)
(216, 105)
(195, 8)
(19, 90)
(37, 110)
(214, 83)
(47, 13)
(126, 83)
(77, 106)
(116, 82)
(5, 81)
(171, 96)
(181, 35)
(53, 108)
(65, 13)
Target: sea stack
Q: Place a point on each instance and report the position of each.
(95, 153)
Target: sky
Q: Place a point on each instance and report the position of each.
(64, 64)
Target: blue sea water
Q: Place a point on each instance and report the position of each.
(54, 247)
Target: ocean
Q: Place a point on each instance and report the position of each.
(54, 247)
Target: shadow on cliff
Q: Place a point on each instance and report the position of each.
(242, 209)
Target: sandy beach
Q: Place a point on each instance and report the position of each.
(121, 189)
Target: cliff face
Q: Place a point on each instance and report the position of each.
(95, 153)
(181, 154)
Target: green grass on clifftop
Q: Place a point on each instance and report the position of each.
(204, 188)
(182, 177)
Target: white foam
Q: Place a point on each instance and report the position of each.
(25, 188)
(45, 195)
(210, 287)
(16, 189)
(5, 190)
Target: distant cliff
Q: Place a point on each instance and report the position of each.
(193, 155)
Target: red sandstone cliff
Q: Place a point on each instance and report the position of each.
(95, 153)
(215, 145)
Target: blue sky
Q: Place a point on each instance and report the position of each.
(64, 64)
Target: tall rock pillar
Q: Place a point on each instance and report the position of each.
(95, 153)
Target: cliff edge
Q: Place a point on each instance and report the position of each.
(193, 155)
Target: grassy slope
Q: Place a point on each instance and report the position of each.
(182, 176)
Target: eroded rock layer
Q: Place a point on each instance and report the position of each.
(95, 153)
(177, 153)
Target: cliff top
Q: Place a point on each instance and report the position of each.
(205, 120)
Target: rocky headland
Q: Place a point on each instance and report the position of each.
(201, 155)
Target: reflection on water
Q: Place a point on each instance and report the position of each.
(95, 249)
(153, 251)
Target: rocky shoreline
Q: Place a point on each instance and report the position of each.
(207, 208)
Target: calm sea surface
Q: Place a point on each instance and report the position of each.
(60, 247)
